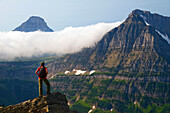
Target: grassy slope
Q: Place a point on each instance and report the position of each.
(83, 92)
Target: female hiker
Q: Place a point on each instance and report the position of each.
(42, 74)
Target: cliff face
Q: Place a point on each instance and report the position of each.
(34, 23)
(53, 103)
(134, 46)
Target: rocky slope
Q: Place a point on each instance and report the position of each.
(34, 23)
(114, 93)
(134, 46)
(53, 103)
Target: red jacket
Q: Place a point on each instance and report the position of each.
(38, 72)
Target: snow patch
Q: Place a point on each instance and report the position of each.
(144, 18)
(67, 72)
(90, 111)
(91, 72)
(93, 107)
(78, 72)
(147, 23)
(164, 37)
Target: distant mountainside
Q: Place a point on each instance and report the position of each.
(34, 23)
(134, 47)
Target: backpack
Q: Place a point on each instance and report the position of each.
(42, 73)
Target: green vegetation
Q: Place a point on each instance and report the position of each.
(85, 91)
(101, 111)
(106, 93)
(81, 107)
(105, 104)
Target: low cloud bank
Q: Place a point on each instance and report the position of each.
(69, 40)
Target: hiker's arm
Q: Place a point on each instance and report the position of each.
(36, 72)
(46, 71)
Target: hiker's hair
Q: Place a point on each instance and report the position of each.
(42, 64)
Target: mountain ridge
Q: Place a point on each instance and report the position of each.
(133, 46)
(161, 23)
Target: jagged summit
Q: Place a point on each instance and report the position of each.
(161, 23)
(53, 103)
(138, 11)
(34, 23)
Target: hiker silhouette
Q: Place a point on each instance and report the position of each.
(42, 77)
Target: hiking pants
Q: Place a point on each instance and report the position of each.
(40, 86)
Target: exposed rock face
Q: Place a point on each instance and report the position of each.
(53, 103)
(133, 46)
(34, 23)
(161, 23)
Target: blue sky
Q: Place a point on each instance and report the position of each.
(64, 13)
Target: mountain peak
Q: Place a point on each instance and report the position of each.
(138, 11)
(33, 18)
(53, 103)
(34, 23)
(134, 46)
(159, 22)
(135, 17)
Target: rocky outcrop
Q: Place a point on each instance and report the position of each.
(34, 23)
(53, 103)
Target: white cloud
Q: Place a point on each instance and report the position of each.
(70, 40)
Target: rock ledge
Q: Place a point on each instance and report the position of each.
(53, 103)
